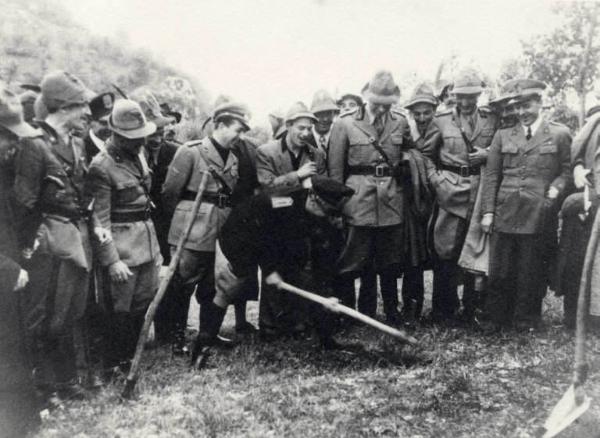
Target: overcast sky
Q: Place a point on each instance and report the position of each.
(269, 53)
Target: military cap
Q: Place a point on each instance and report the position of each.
(322, 101)
(60, 89)
(128, 120)
(423, 93)
(31, 87)
(234, 110)
(505, 94)
(524, 88)
(330, 190)
(167, 111)
(355, 97)
(382, 89)
(468, 81)
(298, 111)
(11, 114)
(149, 105)
(39, 108)
(101, 105)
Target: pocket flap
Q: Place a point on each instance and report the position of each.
(510, 148)
(548, 148)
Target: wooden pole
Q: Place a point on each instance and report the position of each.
(133, 375)
(335, 306)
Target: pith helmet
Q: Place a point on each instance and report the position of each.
(298, 111)
(322, 101)
(381, 89)
(423, 93)
(128, 120)
(468, 81)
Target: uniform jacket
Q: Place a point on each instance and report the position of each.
(585, 143)
(444, 144)
(185, 173)
(159, 162)
(519, 173)
(274, 166)
(245, 151)
(49, 189)
(377, 201)
(120, 184)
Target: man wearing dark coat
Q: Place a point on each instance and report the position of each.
(18, 404)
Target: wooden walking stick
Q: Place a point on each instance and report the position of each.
(133, 375)
(336, 307)
(575, 402)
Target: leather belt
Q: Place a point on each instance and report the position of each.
(72, 215)
(129, 216)
(221, 200)
(381, 170)
(464, 171)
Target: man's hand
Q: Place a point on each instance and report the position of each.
(307, 169)
(332, 304)
(119, 272)
(102, 234)
(274, 279)
(552, 193)
(487, 222)
(478, 157)
(580, 176)
(22, 280)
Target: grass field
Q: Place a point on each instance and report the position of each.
(459, 384)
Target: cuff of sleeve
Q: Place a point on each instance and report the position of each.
(108, 254)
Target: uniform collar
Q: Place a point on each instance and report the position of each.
(534, 126)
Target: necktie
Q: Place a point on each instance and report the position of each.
(378, 124)
(322, 142)
(528, 136)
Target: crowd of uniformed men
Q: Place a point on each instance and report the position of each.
(96, 193)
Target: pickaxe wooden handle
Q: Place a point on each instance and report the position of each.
(133, 375)
(335, 306)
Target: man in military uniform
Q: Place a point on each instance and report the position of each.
(19, 410)
(212, 154)
(283, 166)
(55, 216)
(422, 107)
(119, 182)
(528, 171)
(366, 154)
(456, 144)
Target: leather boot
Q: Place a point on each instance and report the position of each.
(211, 318)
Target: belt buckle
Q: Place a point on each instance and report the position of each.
(380, 170)
(465, 171)
(222, 200)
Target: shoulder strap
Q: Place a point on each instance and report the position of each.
(466, 139)
(216, 175)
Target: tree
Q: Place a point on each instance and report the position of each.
(567, 58)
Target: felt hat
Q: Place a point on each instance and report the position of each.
(128, 120)
(11, 114)
(298, 111)
(60, 89)
(381, 89)
(322, 101)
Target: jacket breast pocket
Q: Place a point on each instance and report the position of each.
(510, 155)
(455, 145)
(547, 155)
(360, 148)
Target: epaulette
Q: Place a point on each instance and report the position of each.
(349, 112)
(191, 143)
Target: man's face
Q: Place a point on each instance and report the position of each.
(423, 114)
(131, 146)
(100, 129)
(299, 131)
(324, 121)
(528, 110)
(348, 104)
(77, 117)
(228, 134)
(509, 113)
(155, 141)
(467, 103)
(378, 109)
